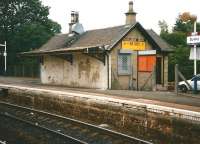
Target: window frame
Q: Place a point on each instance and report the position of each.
(120, 71)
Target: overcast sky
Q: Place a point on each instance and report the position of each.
(96, 14)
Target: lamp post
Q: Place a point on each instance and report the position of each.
(5, 55)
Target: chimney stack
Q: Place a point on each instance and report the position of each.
(74, 19)
(130, 15)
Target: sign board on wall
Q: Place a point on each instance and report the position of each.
(147, 52)
(133, 45)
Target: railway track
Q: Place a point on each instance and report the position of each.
(70, 129)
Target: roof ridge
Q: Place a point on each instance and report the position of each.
(105, 28)
(58, 34)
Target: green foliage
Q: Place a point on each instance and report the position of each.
(180, 56)
(185, 27)
(25, 25)
(175, 38)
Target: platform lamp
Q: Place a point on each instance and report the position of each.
(5, 56)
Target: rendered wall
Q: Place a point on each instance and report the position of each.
(85, 72)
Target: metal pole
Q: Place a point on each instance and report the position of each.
(5, 56)
(176, 79)
(195, 50)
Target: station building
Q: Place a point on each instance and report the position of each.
(121, 57)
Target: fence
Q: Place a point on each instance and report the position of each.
(179, 75)
(23, 70)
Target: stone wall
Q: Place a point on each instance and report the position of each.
(124, 81)
(166, 70)
(131, 119)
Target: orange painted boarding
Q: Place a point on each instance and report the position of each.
(146, 63)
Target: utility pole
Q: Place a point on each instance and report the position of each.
(5, 55)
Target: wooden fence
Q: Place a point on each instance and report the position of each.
(179, 75)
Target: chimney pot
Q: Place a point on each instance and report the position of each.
(74, 19)
(131, 6)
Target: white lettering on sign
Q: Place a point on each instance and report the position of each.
(193, 39)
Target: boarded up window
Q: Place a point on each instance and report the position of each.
(124, 64)
(146, 63)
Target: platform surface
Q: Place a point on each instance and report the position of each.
(166, 99)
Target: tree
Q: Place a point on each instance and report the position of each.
(177, 39)
(184, 23)
(25, 25)
(163, 26)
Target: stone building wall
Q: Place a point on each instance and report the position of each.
(125, 81)
(165, 70)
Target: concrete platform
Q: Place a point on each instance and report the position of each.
(161, 117)
(185, 106)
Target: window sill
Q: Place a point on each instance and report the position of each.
(123, 74)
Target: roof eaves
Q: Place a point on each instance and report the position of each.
(58, 51)
(144, 32)
(122, 36)
(149, 38)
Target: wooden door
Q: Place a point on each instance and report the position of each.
(158, 70)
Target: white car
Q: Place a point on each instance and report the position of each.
(184, 87)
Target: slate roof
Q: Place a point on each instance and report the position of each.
(56, 42)
(160, 42)
(91, 38)
(95, 38)
(105, 36)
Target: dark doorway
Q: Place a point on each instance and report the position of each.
(158, 70)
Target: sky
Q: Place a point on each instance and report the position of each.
(96, 14)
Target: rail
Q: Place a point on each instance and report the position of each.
(67, 137)
(71, 128)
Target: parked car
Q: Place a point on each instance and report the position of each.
(184, 87)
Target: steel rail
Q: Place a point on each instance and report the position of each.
(43, 128)
(97, 128)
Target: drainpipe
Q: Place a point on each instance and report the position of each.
(131, 75)
(163, 70)
(108, 69)
(137, 70)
